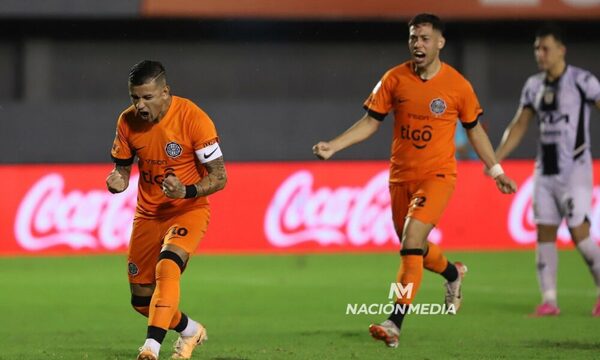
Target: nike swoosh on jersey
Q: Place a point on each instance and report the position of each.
(209, 155)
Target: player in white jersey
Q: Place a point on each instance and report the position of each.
(559, 98)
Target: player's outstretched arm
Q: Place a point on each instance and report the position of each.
(360, 131)
(118, 179)
(514, 132)
(481, 143)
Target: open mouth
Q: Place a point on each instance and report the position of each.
(418, 55)
(144, 114)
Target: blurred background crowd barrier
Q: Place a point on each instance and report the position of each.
(275, 77)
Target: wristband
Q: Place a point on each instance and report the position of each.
(190, 191)
(496, 171)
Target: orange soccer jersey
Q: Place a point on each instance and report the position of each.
(425, 114)
(166, 147)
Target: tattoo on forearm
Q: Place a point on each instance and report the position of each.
(215, 180)
(124, 170)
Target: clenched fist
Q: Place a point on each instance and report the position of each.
(173, 187)
(323, 150)
(116, 182)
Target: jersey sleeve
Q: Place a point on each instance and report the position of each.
(527, 94)
(469, 109)
(590, 86)
(380, 101)
(121, 152)
(202, 129)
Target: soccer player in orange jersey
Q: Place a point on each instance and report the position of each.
(180, 164)
(427, 97)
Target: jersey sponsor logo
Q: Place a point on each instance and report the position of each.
(551, 133)
(418, 116)
(553, 118)
(155, 162)
(173, 149)
(437, 106)
(150, 178)
(419, 137)
(132, 269)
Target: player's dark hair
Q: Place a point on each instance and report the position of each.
(551, 29)
(146, 71)
(425, 18)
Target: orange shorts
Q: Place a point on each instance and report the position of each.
(149, 235)
(423, 200)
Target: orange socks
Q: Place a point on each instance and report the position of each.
(145, 310)
(411, 271)
(434, 260)
(165, 301)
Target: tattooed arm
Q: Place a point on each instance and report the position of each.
(215, 180)
(211, 183)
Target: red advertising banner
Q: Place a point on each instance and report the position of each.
(378, 9)
(267, 208)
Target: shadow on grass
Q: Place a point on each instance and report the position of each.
(564, 345)
(345, 334)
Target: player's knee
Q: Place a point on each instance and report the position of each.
(141, 304)
(581, 231)
(168, 255)
(546, 233)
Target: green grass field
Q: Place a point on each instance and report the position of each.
(293, 307)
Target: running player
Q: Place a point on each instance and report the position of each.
(559, 97)
(428, 97)
(180, 164)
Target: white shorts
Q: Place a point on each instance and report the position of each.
(558, 196)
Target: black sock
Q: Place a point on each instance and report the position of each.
(182, 323)
(451, 273)
(156, 333)
(398, 316)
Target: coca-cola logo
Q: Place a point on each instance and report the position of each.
(521, 224)
(345, 215)
(96, 219)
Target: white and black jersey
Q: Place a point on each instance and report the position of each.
(562, 109)
(563, 180)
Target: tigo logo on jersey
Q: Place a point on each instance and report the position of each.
(437, 106)
(173, 149)
(419, 137)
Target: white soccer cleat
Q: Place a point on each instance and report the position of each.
(387, 332)
(185, 345)
(147, 354)
(453, 289)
